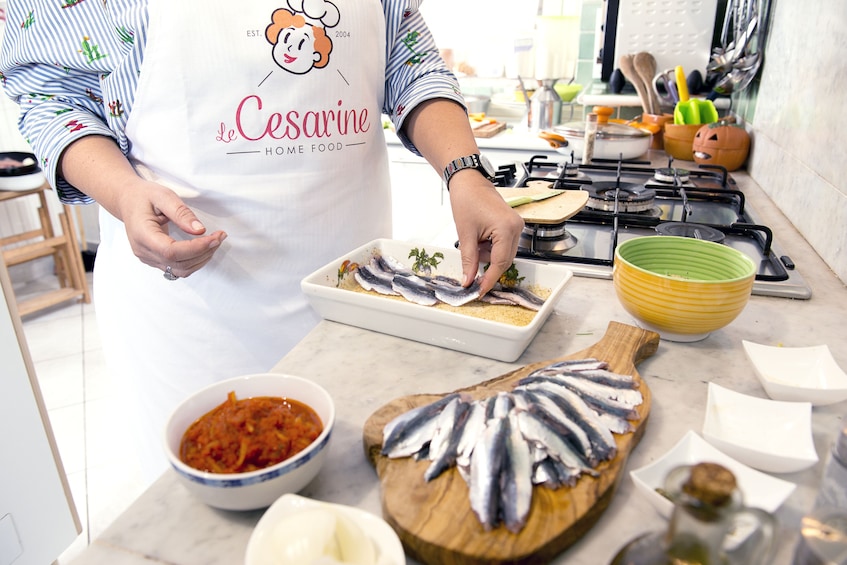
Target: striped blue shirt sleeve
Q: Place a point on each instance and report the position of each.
(72, 67)
(415, 70)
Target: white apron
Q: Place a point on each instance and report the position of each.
(284, 154)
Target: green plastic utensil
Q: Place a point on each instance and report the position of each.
(695, 111)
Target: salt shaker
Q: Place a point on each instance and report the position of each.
(590, 136)
(824, 530)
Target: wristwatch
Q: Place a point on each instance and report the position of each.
(475, 161)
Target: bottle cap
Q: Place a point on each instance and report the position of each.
(710, 483)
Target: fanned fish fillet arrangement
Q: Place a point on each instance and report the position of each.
(389, 276)
(554, 426)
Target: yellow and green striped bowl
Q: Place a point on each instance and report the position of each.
(681, 287)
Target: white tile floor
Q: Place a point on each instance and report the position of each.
(65, 349)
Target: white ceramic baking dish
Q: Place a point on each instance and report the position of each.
(448, 329)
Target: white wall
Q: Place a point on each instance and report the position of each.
(800, 124)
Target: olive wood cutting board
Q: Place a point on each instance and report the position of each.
(550, 211)
(434, 520)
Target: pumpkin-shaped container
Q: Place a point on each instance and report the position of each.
(721, 144)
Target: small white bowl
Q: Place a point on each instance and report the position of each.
(798, 374)
(389, 550)
(769, 435)
(759, 489)
(256, 489)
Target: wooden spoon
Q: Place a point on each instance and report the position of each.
(645, 66)
(627, 66)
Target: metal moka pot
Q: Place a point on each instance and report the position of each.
(545, 107)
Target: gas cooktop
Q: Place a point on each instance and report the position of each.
(629, 199)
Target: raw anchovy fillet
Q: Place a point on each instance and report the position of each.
(408, 423)
(554, 474)
(380, 269)
(413, 442)
(604, 377)
(580, 364)
(575, 407)
(486, 463)
(370, 281)
(618, 401)
(544, 474)
(443, 426)
(616, 424)
(503, 403)
(456, 295)
(563, 425)
(395, 266)
(515, 478)
(488, 299)
(449, 433)
(537, 432)
(441, 279)
(603, 398)
(519, 296)
(414, 290)
(472, 429)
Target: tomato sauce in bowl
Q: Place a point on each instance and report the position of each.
(248, 434)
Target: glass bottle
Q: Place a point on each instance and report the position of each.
(824, 530)
(589, 138)
(707, 506)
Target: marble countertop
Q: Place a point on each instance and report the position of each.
(365, 369)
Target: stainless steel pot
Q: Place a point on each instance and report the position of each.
(613, 141)
(477, 104)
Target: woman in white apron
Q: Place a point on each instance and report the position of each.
(262, 122)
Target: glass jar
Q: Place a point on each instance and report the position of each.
(708, 518)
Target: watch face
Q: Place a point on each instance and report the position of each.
(486, 164)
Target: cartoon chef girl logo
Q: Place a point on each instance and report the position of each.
(298, 34)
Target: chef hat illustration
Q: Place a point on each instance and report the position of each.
(317, 12)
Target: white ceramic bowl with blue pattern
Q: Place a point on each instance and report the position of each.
(256, 489)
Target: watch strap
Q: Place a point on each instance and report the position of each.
(467, 162)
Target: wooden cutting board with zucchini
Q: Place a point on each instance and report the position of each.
(537, 203)
(435, 520)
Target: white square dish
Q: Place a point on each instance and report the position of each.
(426, 324)
(798, 374)
(769, 435)
(759, 489)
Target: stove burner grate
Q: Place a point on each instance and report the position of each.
(546, 239)
(669, 175)
(625, 198)
(692, 230)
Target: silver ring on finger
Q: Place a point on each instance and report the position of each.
(169, 274)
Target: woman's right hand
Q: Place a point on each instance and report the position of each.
(95, 165)
(147, 210)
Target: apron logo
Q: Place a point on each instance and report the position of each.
(298, 35)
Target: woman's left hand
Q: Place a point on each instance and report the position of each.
(488, 228)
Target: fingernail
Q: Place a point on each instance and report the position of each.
(197, 225)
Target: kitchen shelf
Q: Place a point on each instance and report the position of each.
(45, 242)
